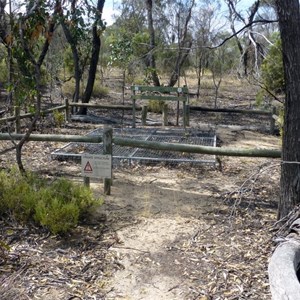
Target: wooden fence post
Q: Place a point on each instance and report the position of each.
(184, 114)
(133, 113)
(165, 114)
(187, 110)
(144, 115)
(133, 107)
(67, 110)
(86, 181)
(18, 120)
(107, 149)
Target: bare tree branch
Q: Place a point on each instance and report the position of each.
(255, 22)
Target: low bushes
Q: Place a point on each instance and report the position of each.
(58, 206)
(155, 106)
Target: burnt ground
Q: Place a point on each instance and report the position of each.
(167, 231)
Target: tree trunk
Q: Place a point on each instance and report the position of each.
(94, 59)
(150, 57)
(184, 47)
(198, 72)
(289, 20)
(77, 69)
(182, 56)
(3, 20)
(36, 74)
(234, 15)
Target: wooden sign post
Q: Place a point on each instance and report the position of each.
(99, 165)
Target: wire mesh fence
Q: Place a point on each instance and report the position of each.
(124, 154)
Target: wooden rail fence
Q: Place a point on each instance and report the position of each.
(186, 109)
(253, 152)
(108, 141)
(271, 113)
(164, 94)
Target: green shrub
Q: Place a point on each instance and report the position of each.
(3, 65)
(18, 196)
(155, 106)
(68, 88)
(263, 99)
(59, 118)
(68, 192)
(280, 121)
(59, 206)
(138, 81)
(4, 249)
(272, 68)
(99, 91)
(3, 71)
(59, 217)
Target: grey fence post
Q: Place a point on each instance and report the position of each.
(144, 114)
(67, 110)
(18, 120)
(184, 115)
(107, 149)
(187, 108)
(165, 114)
(86, 181)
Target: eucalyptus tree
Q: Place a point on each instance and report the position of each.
(205, 27)
(128, 40)
(150, 58)
(98, 26)
(178, 36)
(28, 35)
(251, 49)
(83, 26)
(132, 16)
(169, 38)
(289, 20)
(222, 61)
(267, 11)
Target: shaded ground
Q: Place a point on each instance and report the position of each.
(165, 232)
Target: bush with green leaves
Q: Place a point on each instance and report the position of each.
(155, 106)
(99, 91)
(59, 118)
(272, 68)
(3, 65)
(58, 206)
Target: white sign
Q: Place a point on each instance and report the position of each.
(96, 166)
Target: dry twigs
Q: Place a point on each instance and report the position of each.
(228, 263)
(43, 267)
(250, 190)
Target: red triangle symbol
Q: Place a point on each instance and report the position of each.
(88, 167)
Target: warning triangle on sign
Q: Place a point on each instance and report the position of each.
(88, 167)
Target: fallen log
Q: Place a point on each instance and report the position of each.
(283, 267)
(231, 110)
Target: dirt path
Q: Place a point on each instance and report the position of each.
(156, 209)
(175, 232)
